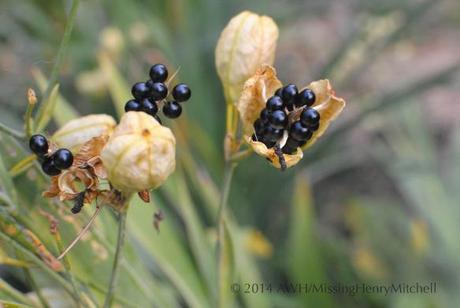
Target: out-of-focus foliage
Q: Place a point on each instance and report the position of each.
(376, 201)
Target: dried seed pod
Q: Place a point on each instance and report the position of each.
(77, 132)
(247, 42)
(262, 86)
(140, 154)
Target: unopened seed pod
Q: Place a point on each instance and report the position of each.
(247, 42)
(78, 131)
(140, 154)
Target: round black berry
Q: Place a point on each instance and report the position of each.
(38, 145)
(279, 92)
(309, 117)
(271, 133)
(159, 91)
(181, 92)
(158, 73)
(149, 107)
(259, 127)
(264, 115)
(289, 93)
(172, 110)
(132, 105)
(314, 128)
(305, 98)
(289, 150)
(278, 119)
(49, 168)
(62, 159)
(269, 144)
(274, 103)
(293, 143)
(140, 90)
(299, 132)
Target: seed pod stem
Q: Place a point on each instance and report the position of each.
(28, 120)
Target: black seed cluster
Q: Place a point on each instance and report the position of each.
(275, 119)
(52, 163)
(150, 94)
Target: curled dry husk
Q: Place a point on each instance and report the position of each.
(262, 86)
(79, 131)
(87, 170)
(140, 153)
(247, 42)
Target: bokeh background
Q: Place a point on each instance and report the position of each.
(375, 201)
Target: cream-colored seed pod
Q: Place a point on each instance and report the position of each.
(247, 42)
(76, 132)
(140, 154)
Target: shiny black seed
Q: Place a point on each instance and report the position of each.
(264, 115)
(38, 145)
(289, 150)
(49, 168)
(271, 133)
(149, 107)
(269, 144)
(181, 92)
(132, 105)
(305, 98)
(158, 73)
(140, 90)
(159, 91)
(289, 93)
(172, 110)
(314, 128)
(274, 103)
(259, 126)
(63, 159)
(299, 132)
(310, 117)
(293, 143)
(279, 92)
(278, 119)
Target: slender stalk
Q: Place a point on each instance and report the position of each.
(226, 185)
(32, 101)
(15, 294)
(30, 279)
(12, 132)
(59, 57)
(116, 262)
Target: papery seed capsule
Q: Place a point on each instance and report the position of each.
(38, 145)
(140, 154)
(140, 90)
(278, 119)
(274, 103)
(158, 73)
(181, 92)
(62, 159)
(310, 117)
(305, 98)
(299, 132)
(172, 110)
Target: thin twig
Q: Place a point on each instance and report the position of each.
(82, 232)
(120, 241)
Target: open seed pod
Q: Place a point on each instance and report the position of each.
(262, 86)
(140, 153)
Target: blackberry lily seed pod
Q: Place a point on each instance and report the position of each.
(140, 154)
(247, 42)
(79, 131)
(263, 85)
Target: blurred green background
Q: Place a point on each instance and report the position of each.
(375, 201)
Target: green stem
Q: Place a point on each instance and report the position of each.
(12, 132)
(116, 261)
(226, 185)
(37, 261)
(59, 58)
(15, 294)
